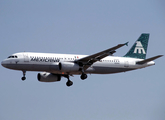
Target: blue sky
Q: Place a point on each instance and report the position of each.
(82, 27)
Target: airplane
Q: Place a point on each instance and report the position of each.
(53, 67)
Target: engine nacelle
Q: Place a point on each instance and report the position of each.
(48, 77)
(68, 66)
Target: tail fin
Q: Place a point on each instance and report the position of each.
(139, 49)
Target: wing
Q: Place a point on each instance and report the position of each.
(89, 60)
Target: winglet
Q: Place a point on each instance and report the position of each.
(126, 43)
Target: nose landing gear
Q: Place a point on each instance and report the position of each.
(23, 78)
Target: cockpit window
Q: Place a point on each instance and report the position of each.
(12, 56)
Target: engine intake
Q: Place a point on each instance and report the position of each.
(48, 77)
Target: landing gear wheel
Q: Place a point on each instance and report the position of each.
(69, 83)
(23, 78)
(83, 76)
(24, 73)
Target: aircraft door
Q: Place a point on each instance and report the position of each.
(126, 64)
(26, 57)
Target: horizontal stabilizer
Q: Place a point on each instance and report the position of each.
(148, 60)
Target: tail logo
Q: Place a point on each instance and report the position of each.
(139, 48)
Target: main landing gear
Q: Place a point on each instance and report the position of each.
(69, 82)
(24, 73)
(83, 76)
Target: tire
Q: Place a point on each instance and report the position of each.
(83, 76)
(69, 83)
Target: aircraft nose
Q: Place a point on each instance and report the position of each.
(4, 63)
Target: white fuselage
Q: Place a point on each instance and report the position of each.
(47, 62)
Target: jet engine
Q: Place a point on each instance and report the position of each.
(48, 77)
(68, 66)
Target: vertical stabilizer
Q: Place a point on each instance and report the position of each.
(139, 49)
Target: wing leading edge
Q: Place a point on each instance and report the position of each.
(89, 60)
